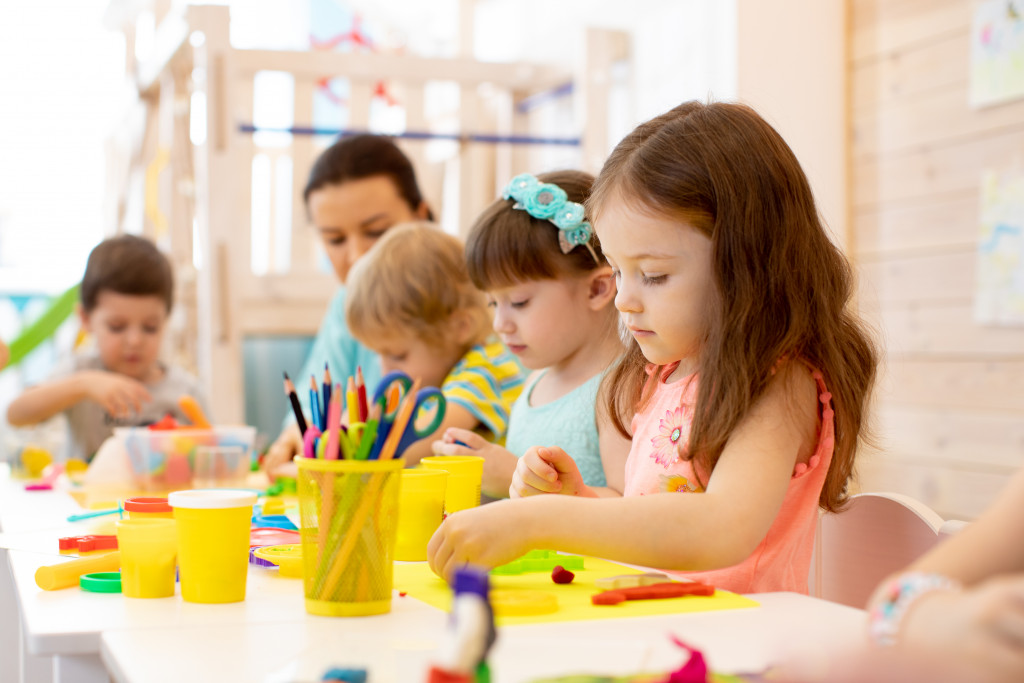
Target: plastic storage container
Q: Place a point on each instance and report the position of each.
(167, 460)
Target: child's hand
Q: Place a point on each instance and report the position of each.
(499, 463)
(281, 452)
(546, 470)
(119, 395)
(485, 536)
(984, 624)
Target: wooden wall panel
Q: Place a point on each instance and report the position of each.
(949, 409)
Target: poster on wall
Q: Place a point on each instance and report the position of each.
(997, 52)
(999, 294)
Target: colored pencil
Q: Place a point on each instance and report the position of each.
(361, 393)
(333, 427)
(327, 394)
(388, 450)
(289, 390)
(369, 435)
(352, 401)
(314, 404)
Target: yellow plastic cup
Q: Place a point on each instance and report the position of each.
(465, 472)
(149, 548)
(213, 543)
(420, 511)
(348, 513)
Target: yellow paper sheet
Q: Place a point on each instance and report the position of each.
(416, 579)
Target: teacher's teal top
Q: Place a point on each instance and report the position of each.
(342, 352)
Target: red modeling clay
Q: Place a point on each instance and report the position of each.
(402, 594)
(655, 591)
(562, 575)
(167, 422)
(84, 544)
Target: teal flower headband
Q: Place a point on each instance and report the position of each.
(548, 201)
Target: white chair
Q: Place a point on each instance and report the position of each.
(875, 535)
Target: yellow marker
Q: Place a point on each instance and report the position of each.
(352, 402)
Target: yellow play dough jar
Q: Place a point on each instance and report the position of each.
(213, 543)
(148, 548)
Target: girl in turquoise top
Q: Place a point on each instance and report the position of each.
(358, 188)
(552, 294)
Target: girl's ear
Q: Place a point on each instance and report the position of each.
(462, 326)
(600, 288)
(423, 211)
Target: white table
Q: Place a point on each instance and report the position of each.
(398, 648)
(270, 637)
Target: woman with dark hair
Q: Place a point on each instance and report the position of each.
(357, 189)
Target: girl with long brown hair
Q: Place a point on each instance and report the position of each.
(745, 385)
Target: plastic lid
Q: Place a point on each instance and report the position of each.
(209, 499)
(101, 582)
(146, 505)
(264, 536)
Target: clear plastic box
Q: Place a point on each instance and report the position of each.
(176, 459)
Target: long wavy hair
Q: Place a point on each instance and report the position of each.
(782, 288)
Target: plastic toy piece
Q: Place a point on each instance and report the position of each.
(436, 675)
(345, 675)
(518, 603)
(539, 561)
(264, 536)
(655, 591)
(275, 521)
(273, 507)
(609, 583)
(35, 460)
(101, 582)
(193, 411)
(65, 575)
(88, 543)
(166, 423)
(287, 557)
(562, 575)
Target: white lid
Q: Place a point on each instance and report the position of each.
(207, 499)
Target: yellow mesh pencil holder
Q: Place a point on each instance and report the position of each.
(348, 510)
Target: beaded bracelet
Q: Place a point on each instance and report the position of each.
(896, 598)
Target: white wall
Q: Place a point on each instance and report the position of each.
(791, 67)
(681, 49)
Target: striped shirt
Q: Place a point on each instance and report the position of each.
(486, 382)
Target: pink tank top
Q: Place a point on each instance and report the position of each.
(782, 561)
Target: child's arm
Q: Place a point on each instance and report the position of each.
(987, 616)
(714, 529)
(119, 395)
(499, 462)
(552, 470)
(281, 452)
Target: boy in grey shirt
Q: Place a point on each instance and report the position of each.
(126, 297)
